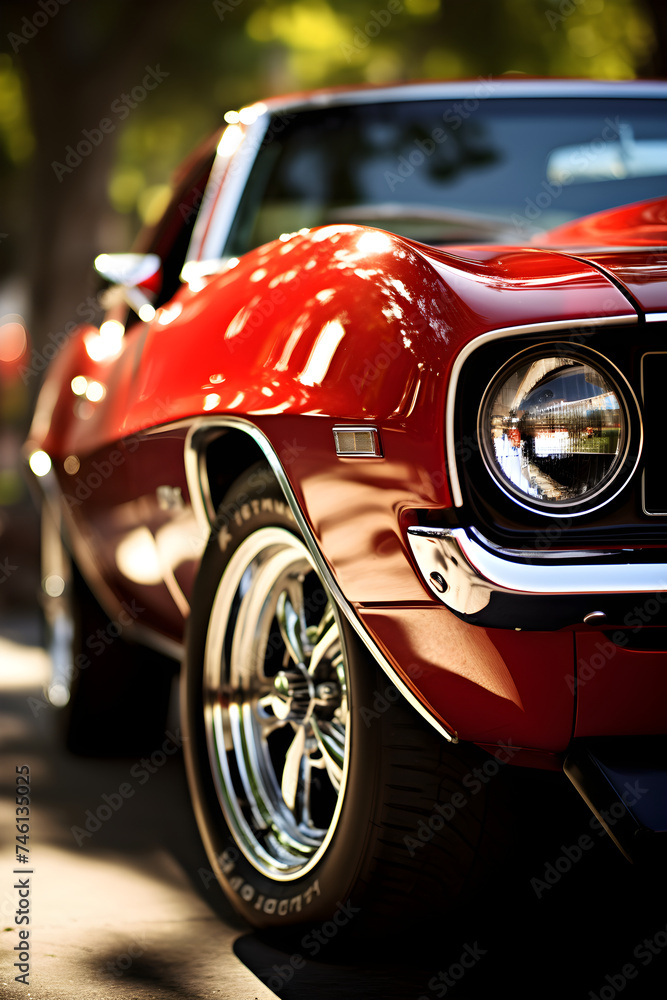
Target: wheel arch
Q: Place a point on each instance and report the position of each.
(241, 443)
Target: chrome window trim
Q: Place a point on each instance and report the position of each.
(553, 326)
(223, 193)
(199, 428)
(499, 88)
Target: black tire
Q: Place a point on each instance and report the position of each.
(120, 691)
(369, 856)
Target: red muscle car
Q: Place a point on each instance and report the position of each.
(370, 439)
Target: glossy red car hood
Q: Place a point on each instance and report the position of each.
(628, 243)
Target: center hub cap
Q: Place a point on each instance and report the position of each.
(292, 696)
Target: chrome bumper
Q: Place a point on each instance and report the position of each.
(535, 589)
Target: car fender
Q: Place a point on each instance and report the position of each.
(347, 325)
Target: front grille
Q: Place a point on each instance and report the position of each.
(654, 405)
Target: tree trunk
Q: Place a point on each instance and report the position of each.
(77, 65)
(657, 64)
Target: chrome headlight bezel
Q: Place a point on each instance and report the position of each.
(627, 454)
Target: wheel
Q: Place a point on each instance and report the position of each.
(308, 774)
(116, 694)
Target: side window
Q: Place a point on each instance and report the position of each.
(170, 238)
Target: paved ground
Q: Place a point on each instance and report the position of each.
(114, 915)
(127, 914)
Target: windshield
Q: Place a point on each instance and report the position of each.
(495, 170)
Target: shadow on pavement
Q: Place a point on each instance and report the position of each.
(594, 928)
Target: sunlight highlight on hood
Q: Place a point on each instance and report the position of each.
(374, 242)
(322, 353)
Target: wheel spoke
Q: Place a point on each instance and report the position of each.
(291, 630)
(293, 762)
(327, 619)
(323, 646)
(263, 709)
(332, 745)
(249, 768)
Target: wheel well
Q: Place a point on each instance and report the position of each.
(227, 455)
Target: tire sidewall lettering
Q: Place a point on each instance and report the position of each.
(239, 516)
(272, 905)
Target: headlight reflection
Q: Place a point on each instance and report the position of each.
(554, 430)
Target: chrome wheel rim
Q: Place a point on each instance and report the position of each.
(276, 704)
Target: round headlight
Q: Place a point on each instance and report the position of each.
(554, 430)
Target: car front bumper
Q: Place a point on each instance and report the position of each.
(532, 589)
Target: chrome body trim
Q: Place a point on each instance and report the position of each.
(482, 88)
(656, 317)
(473, 571)
(200, 429)
(57, 610)
(223, 192)
(486, 338)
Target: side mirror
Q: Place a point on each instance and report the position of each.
(137, 278)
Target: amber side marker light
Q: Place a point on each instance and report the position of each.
(357, 442)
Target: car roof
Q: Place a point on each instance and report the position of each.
(478, 87)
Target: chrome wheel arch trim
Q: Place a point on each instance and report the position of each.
(200, 500)
(486, 338)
